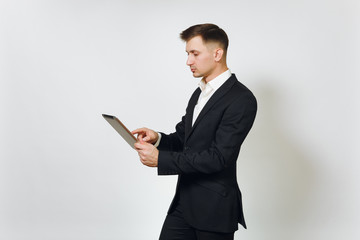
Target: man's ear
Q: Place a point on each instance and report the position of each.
(218, 54)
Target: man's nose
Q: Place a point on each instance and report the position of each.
(189, 61)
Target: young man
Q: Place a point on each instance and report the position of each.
(205, 146)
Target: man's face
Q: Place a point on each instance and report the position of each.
(200, 57)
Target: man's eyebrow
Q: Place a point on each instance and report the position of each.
(192, 51)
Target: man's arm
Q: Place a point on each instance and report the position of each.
(235, 125)
(149, 153)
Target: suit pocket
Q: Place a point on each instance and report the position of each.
(213, 186)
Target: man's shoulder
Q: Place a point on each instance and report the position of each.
(239, 88)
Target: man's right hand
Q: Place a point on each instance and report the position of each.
(146, 135)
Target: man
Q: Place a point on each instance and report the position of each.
(204, 148)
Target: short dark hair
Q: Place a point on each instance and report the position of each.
(208, 32)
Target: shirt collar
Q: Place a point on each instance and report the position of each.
(215, 83)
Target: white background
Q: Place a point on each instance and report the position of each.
(65, 174)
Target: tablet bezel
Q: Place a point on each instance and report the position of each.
(121, 129)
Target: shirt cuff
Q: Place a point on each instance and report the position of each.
(158, 141)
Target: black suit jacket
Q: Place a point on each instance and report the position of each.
(204, 156)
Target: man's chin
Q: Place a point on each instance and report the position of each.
(197, 75)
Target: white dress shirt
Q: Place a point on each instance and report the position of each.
(207, 90)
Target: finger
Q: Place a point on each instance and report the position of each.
(142, 159)
(146, 138)
(138, 146)
(136, 130)
(141, 146)
(140, 137)
(139, 130)
(143, 139)
(145, 163)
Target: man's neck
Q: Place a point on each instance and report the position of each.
(215, 73)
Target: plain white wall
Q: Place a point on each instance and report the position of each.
(65, 174)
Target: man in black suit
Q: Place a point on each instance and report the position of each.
(205, 146)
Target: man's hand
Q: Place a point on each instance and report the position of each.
(147, 135)
(147, 152)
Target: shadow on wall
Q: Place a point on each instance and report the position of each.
(275, 175)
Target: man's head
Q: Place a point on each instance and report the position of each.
(206, 45)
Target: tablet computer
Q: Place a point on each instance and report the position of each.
(121, 129)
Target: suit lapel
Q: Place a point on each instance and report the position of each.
(190, 111)
(214, 98)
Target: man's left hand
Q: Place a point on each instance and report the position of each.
(147, 152)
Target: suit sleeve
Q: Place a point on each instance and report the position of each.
(236, 123)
